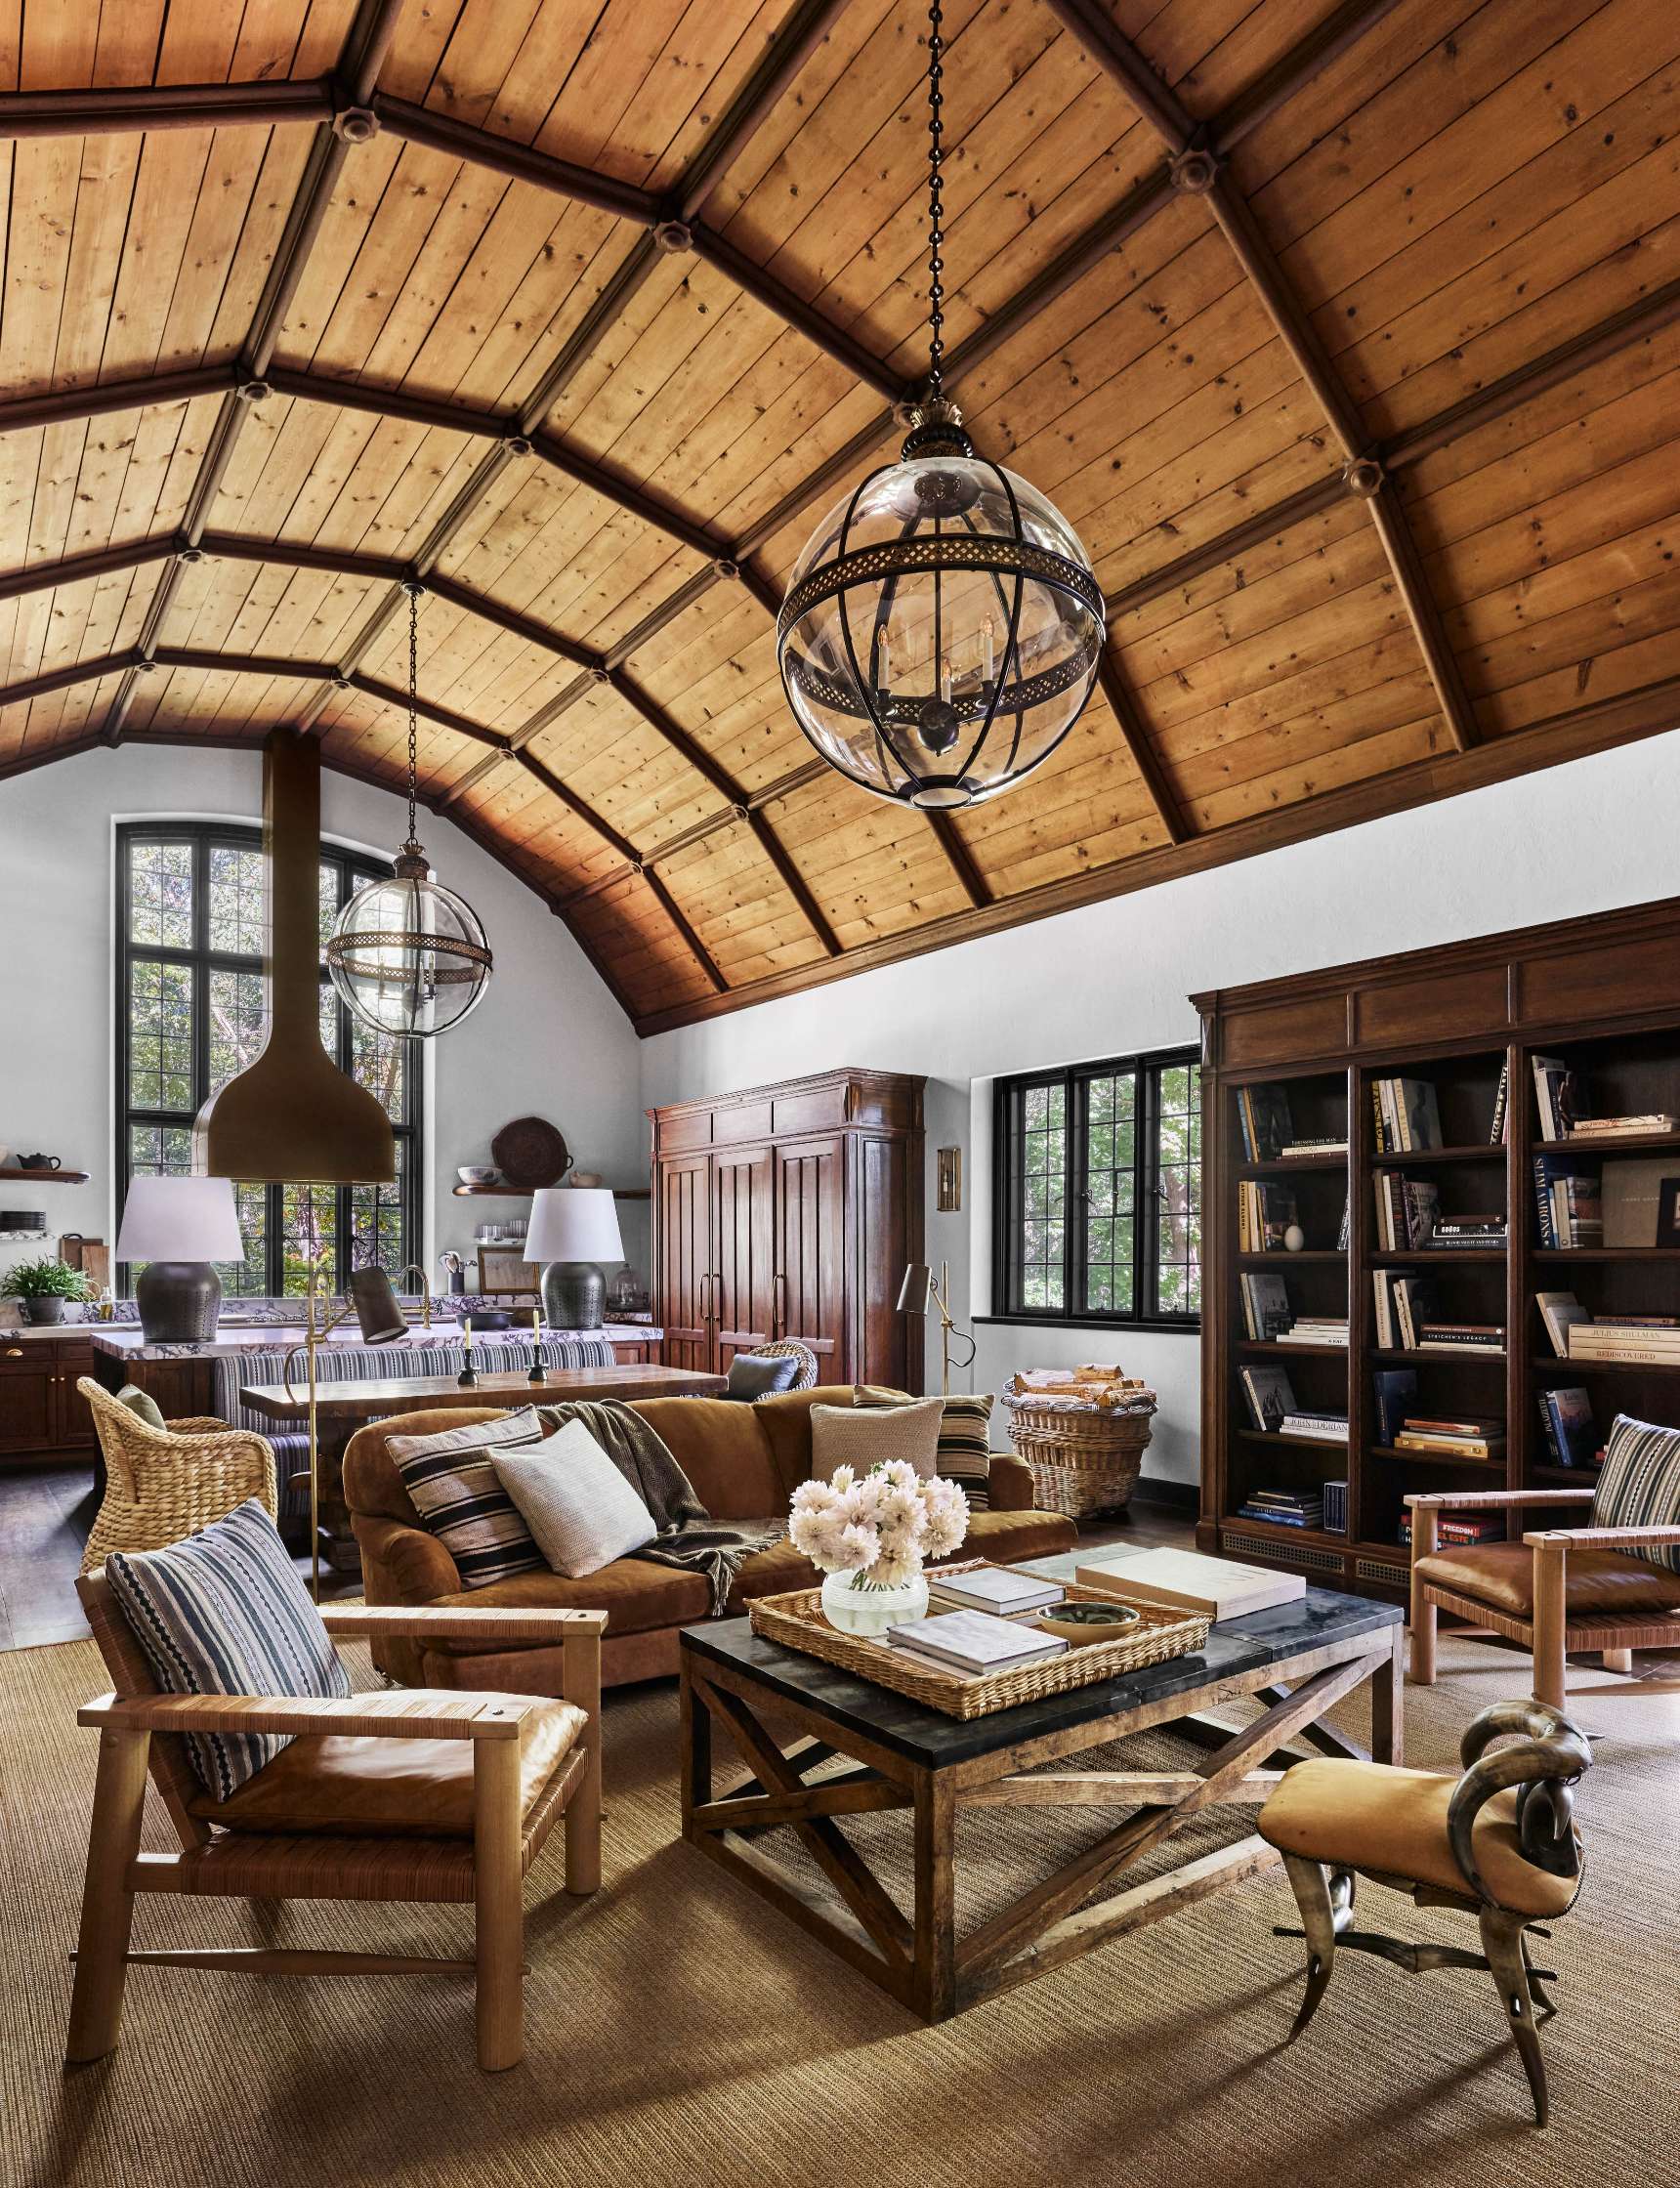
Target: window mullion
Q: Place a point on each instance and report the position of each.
(1145, 1236)
(1074, 1205)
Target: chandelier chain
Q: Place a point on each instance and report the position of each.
(936, 231)
(413, 694)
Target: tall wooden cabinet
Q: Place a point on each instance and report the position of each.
(791, 1211)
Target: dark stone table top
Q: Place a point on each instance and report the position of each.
(925, 1735)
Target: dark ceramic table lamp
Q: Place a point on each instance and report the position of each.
(179, 1227)
(573, 1228)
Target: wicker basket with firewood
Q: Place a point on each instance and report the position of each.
(1083, 1431)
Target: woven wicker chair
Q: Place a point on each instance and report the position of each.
(164, 1484)
(792, 1348)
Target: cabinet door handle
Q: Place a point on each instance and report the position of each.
(779, 1304)
(703, 1309)
(13, 1352)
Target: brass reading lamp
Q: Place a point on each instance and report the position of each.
(921, 1289)
(376, 1307)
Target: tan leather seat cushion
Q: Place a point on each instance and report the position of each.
(351, 1785)
(1367, 1815)
(1501, 1574)
(636, 1594)
(1003, 1537)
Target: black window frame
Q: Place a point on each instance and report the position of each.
(352, 868)
(1008, 1213)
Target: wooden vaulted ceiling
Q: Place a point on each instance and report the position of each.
(1347, 334)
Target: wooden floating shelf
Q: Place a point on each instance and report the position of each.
(44, 1177)
(1606, 1253)
(1394, 1159)
(1436, 1458)
(1298, 1352)
(1282, 1258)
(1636, 1143)
(1296, 1442)
(1280, 1165)
(1574, 1366)
(525, 1192)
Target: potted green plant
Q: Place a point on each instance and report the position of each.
(43, 1286)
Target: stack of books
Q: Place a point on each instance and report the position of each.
(1622, 1127)
(1472, 1437)
(1569, 1203)
(999, 1588)
(1407, 1211)
(1651, 1340)
(1306, 1149)
(1285, 1507)
(1567, 1424)
(1460, 1527)
(1461, 1336)
(1264, 1121)
(1185, 1580)
(1335, 1507)
(1407, 1117)
(973, 1643)
(1320, 1428)
(1455, 1232)
(1264, 1215)
(1318, 1329)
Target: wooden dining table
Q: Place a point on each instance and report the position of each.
(341, 1408)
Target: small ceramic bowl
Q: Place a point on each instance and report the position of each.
(1080, 1624)
(477, 1173)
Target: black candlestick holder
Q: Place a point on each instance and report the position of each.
(468, 1379)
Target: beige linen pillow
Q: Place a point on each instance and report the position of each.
(862, 1435)
(581, 1511)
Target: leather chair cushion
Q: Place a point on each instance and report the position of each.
(723, 1450)
(1596, 1582)
(1003, 1537)
(636, 1594)
(1371, 1816)
(351, 1785)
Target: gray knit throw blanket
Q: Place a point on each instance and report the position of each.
(688, 1537)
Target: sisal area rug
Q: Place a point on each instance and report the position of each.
(679, 2032)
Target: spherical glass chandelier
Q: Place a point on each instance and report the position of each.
(408, 955)
(942, 628)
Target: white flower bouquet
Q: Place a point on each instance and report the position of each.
(880, 1526)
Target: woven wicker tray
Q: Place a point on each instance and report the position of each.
(797, 1622)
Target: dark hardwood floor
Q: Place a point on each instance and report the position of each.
(46, 1511)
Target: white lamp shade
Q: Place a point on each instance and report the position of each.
(179, 1219)
(573, 1223)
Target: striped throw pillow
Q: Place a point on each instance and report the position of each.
(1639, 1485)
(964, 1454)
(453, 1487)
(224, 1613)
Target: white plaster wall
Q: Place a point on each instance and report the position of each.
(548, 1038)
(1115, 976)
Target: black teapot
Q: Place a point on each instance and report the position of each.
(40, 1161)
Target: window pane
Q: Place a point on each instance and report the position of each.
(160, 1061)
(249, 1278)
(329, 898)
(1178, 1173)
(160, 894)
(377, 1060)
(1109, 1107)
(1038, 1196)
(237, 901)
(309, 1213)
(160, 1149)
(376, 1222)
(238, 1024)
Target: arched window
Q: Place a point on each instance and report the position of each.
(190, 1014)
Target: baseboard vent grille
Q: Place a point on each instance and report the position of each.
(1308, 1558)
(1379, 1568)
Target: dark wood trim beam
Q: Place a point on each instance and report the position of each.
(727, 816)
(290, 554)
(679, 919)
(240, 664)
(580, 345)
(391, 403)
(75, 569)
(625, 494)
(509, 619)
(783, 58)
(1388, 514)
(446, 717)
(474, 776)
(1144, 756)
(111, 110)
(1150, 93)
(570, 798)
(521, 163)
(1301, 66)
(1284, 516)
(774, 294)
(63, 405)
(947, 834)
(711, 772)
(64, 678)
(793, 880)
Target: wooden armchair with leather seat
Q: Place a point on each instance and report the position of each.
(423, 1796)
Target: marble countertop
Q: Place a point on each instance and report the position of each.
(125, 1342)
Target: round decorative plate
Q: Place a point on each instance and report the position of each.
(529, 1153)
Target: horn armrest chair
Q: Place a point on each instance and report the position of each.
(1498, 1843)
(1557, 1589)
(164, 1484)
(458, 1816)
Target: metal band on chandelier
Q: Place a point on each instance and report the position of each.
(408, 955)
(944, 594)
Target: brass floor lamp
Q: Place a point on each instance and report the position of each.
(922, 1290)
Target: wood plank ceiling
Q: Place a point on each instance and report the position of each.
(1346, 331)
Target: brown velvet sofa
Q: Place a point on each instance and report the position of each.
(745, 1461)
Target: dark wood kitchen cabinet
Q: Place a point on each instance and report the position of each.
(791, 1211)
(41, 1415)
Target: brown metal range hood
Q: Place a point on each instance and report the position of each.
(293, 1118)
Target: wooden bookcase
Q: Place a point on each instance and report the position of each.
(1601, 993)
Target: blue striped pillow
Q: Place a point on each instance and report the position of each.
(224, 1613)
(1639, 1484)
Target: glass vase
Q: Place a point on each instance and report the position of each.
(852, 1604)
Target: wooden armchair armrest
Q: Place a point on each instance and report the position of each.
(455, 1622)
(1475, 1499)
(396, 1715)
(1607, 1538)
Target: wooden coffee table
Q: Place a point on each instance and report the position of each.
(1299, 1660)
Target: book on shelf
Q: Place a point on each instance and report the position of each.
(1335, 1516)
(1269, 1396)
(1329, 1330)
(1502, 1107)
(1578, 1211)
(1299, 1151)
(1394, 1390)
(1560, 1311)
(1488, 1230)
(1264, 1121)
(1450, 1446)
(1285, 1507)
(1266, 1309)
(1265, 1213)
(1186, 1581)
(1345, 1231)
(1318, 1428)
(1407, 1116)
(1461, 1528)
(1270, 1516)
(975, 1642)
(1554, 1096)
(1461, 1336)
(1655, 1341)
(1414, 1304)
(1407, 1211)
(1567, 1424)
(1633, 1199)
(1622, 1127)
(999, 1588)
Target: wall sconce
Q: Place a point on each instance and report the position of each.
(948, 1189)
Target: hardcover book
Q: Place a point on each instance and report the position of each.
(1188, 1580)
